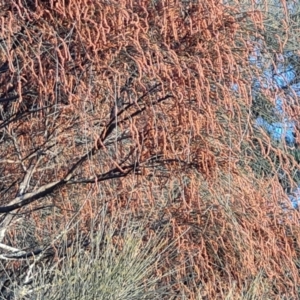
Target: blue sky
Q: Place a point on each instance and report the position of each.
(284, 130)
(283, 76)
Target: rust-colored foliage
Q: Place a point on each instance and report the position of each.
(130, 104)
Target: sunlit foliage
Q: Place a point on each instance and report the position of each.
(149, 109)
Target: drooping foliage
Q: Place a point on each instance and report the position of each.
(149, 109)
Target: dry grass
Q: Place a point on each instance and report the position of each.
(107, 264)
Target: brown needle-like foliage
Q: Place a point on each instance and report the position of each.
(146, 108)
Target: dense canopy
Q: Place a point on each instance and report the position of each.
(137, 149)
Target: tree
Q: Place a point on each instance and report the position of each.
(144, 108)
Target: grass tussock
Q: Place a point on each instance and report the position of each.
(110, 263)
